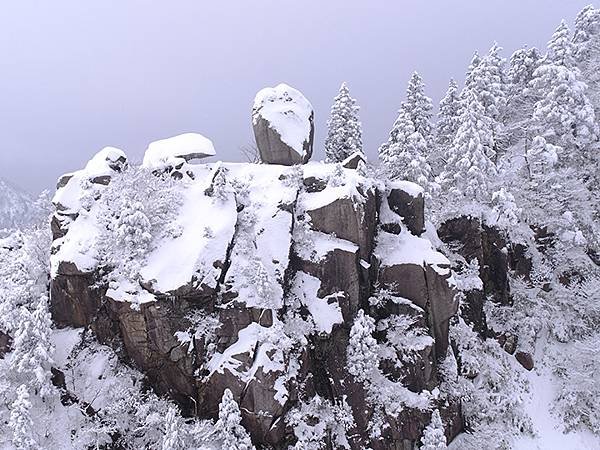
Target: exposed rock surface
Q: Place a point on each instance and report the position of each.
(266, 306)
(283, 124)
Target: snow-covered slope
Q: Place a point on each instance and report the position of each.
(17, 208)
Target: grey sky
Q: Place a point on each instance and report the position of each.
(76, 75)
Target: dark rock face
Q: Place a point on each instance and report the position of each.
(5, 344)
(353, 161)
(472, 240)
(273, 150)
(410, 208)
(427, 289)
(525, 359)
(148, 334)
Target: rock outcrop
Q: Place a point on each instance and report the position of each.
(263, 300)
(283, 122)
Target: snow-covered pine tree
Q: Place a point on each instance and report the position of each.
(587, 28)
(563, 115)
(362, 347)
(20, 421)
(469, 169)
(419, 108)
(586, 50)
(475, 61)
(405, 158)
(133, 228)
(229, 427)
(521, 95)
(433, 435)
(32, 354)
(344, 135)
(171, 438)
(487, 81)
(446, 127)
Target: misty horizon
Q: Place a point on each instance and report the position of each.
(78, 78)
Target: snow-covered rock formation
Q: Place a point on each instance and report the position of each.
(261, 279)
(282, 119)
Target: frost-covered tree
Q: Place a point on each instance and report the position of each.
(133, 228)
(172, 424)
(405, 158)
(362, 347)
(487, 82)
(586, 49)
(32, 354)
(447, 125)
(344, 132)
(469, 169)
(433, 436)
(419, 109)
(229, 426)
(20, 421)
(475, 61)
(319, 423)
(564, 115)
(577, 397)
(521, 95)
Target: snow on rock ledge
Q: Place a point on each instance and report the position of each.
(282, 119)
(173, 152)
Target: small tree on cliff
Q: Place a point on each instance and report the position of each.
(344, 136)
(20, 421)
(433, 435)
(171, 438)
(362, 348)
(32, 355)
(229, 427)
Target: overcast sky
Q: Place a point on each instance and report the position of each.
(76, 76)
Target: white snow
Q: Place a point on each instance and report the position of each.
(64, 340)
(287, 111)
(406, 248)
(326, 312)
(123, 290)
(409, 187)
(177, 150)
(268, 240)
(68, 197)
(548, 427)
(174, 261)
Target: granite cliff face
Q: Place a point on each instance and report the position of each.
(274, 282)
(267, 303)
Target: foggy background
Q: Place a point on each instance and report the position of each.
(76, 76)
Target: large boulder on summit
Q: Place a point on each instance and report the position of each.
(282, 119)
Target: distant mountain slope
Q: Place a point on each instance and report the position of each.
(17, 208)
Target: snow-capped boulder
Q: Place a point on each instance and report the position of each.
(173, 152)
(70, 187)
(282, 119)
(354, 160)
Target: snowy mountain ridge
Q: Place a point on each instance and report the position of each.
(17, 208)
